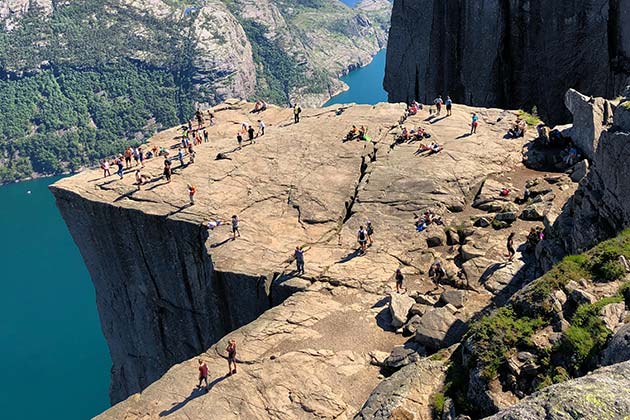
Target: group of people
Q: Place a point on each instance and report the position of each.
(230, 349)
(357, 133)
(439, 102)
(518, 128)
(249, 131)
(426, 219)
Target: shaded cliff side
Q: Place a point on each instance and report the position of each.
(515, 53)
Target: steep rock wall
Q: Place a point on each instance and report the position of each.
(159, 297)
(513, 53)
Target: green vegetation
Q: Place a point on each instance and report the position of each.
(75, 116)
(532, 119)
(438, 403)
(497, 334)
(496, 337)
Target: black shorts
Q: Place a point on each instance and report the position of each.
(234, 229)
(448, 107)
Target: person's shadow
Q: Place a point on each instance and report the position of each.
(195, 393)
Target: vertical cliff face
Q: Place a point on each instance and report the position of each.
(159, 296)
(513, 53)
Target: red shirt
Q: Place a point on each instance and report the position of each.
(203, 370)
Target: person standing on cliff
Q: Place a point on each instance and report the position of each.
(399, 281)
(449, 106)
(121, 167)
(168, 171)
(239, 140)
(299, 259)
(474, 123)
(250, 134)
(510, 247)
(205, 135)
(235, 230)
(231, 351)
(180, 156)
(438, 104)
(261, 128)
(296, 113)
(362, 239)
(370, 231)
(191, 193)
(203, 373)
(105, 168)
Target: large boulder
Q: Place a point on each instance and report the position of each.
(399, 305)
(439, 328)
(618, 349)
(600, 395)
(534, 211)
(407, 394)
(590, 117)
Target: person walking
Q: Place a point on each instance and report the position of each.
(299, 259)
(449, 106)
(203, 373)
(235, 230)
(399, 281)
(141, 157)
(474, 123)
(296, 113)
(239, 140)
(205, 135)
(121, 167)
(128, 155)
(261, 128)
(438, 105)
(191, 193)
(370, 231)
(250, 134)
(510, 246)
(231, 351)
(362, 239)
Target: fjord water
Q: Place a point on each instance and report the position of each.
(54, 360)
(53, 357)
(365, 84)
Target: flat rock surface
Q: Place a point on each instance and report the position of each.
(299, 184)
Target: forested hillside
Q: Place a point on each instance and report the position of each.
(80, 80)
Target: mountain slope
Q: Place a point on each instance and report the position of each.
(80, 80)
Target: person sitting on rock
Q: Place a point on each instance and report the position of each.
(352, 134)
(572, 156)
(259, 107)
(405, 135)
(363, 133)
(437, 272)
(213, 224)
(518, 128)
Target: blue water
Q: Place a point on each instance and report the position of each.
(366, 84)
(350, 3)
(54, 362)
(53, 357)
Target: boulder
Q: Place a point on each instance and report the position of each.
(435, 236)
(508, 217)
(579, 170)
(455, 297)
(419, 309)
(399, 305)
(613, 315)
(602, 394)
(483, 222)
(439, 328)
(427, 300)
(534, 212)
(378, 357)
(588, 120)
(412, 325)
(582, 297)
(618, 349)
(403, 355)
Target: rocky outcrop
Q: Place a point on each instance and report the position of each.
(618, 349)
(531, 51)
(601, 394)
(599, 208)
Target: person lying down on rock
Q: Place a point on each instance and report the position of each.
(432, 148)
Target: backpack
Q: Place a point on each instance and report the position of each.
(370, 230)
(362, 235)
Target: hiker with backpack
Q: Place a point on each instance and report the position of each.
(362, 239)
